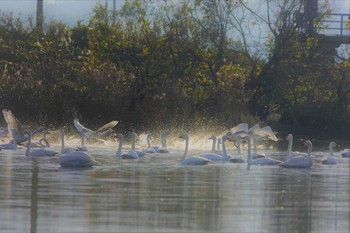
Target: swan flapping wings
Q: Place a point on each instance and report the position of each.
(88, 132)
(13, 125)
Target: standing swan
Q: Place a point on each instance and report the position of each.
(300, 161)
(70, 158)
(127, 155)
(259, 161)
(330, 159)
(191, 160)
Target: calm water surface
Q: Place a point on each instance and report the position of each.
(156, 194)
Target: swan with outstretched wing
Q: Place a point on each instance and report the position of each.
(88, 132)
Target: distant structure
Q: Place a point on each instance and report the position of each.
(337, 31)
(39, 13)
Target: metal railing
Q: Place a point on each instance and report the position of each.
(337, 24)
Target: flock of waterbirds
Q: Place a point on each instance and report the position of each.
(79, 157)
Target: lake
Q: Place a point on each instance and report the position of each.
(157, 194)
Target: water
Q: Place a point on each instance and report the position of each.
(156, 194)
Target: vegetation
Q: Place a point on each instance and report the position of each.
(185, 65)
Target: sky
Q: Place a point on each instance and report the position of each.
(71, 11)
(66, 11)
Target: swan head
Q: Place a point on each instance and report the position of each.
(184, 136)
(333, 145)
(307, 143)
(213, 137)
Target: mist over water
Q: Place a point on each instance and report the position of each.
(157, 194)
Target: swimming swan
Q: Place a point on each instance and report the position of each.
(238, 158)
(151, 149)
(330, 159)
(259, 161)
(41, 152)
(163, 149)
(217, 157)
(345, 153)
(191, 160)
(300, 161)
(70, 158)
(138, 152)
(126, 155)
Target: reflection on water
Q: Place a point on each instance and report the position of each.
(156, 194)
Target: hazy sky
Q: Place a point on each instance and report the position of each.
(70, 11)
(67, 11)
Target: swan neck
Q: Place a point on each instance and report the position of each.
(120, 145)
(331, 150)
(62, 141)
(82, 139)
(28, 146)
(148, 141)
(309, 149)
(255, 141)
(239, 146)
(213, 146)
(186, 149)
(249, 153)
(290, 144)
(163, 139)
(133, 141)
(224, 149)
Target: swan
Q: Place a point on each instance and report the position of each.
(71, 158)
(217, 157)
(11, 145)
(14, 124)
(300, 161)
(138, 152)
(99, 132)
(238, 158)
(330, 159)
(191, 160)
(43, 142)
(216, 143)
(126, 155)
(259, 161)
(41, 152)
(163, 149)
(151, 149)
(256, 154)
(290, 153)
(345, 153)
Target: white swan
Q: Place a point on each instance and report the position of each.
(126, 155)
(138, 152)
(256, 154)
(151, 149)
(290, 153)
(217, 157)
(259, 161)
(216, 148)
(43, 142)
(11, 145)
(191, 160)
(330, 159)
(70, 158)
(345, 153)
(163, 149)
(300, 161)
(238, 158)
(88, 132)
(13, 125)
(41, 152)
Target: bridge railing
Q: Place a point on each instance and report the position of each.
(336, 24)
